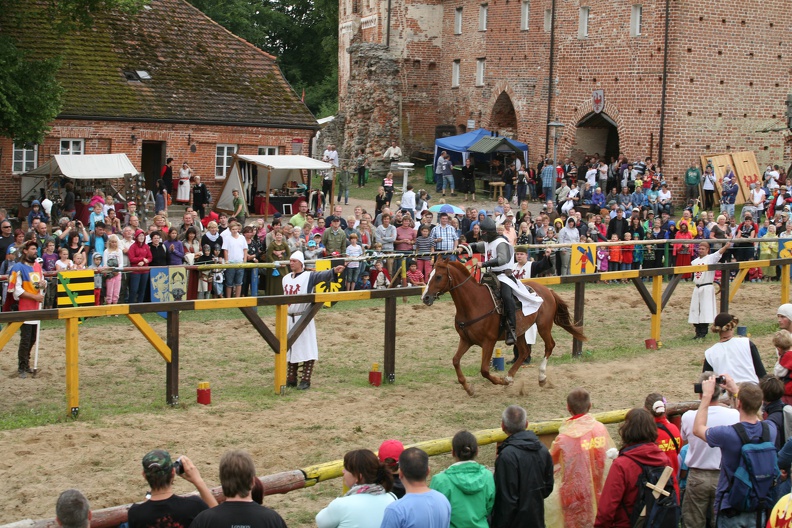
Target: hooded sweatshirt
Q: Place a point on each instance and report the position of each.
(523, 480)
(618, 497)
(470, 488)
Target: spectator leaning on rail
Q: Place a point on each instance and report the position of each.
(72, 510)
(736, 356)
(163, 507)
(703, 461)
(237, 475)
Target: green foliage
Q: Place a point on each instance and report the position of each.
(30, 96)
(302, 34)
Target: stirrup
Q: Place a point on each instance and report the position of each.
(511, 337)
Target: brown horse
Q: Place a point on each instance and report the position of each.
(478, 323)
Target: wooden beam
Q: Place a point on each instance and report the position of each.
(151, 336)
(302, 323)
(8, 332)
(389, 362)
(669, 291)
(645, 295)
(737, 282)
(725, 286)
(785, 284)
(261, 327)
(72, 367)
(281, 331)
(657, 295)
(172, 368)
(580, 304)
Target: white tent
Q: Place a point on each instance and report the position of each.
(251, 175)
(86, 167)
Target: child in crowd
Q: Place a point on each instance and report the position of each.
(98, 278)
(206, 278)
(97, 215)
(423, 244)
(782, 341)
(380, 279)
(113, 261)
(364, 283)
(64, 262)
(321, 251)
(603, 258)
(615, 253)
(218, 276)
(312, 252)
(627, 253)
(49, 257)
(414, 276)
(353, 267)
(638, 254)
(79, 261)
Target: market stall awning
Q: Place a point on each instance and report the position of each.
(488, 145)
(86, 167)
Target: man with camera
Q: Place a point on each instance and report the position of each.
(163, 507)
(703, 461)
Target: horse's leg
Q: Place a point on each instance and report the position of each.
(461, 349)
(486, 357)
(524, 349)
(547, 337)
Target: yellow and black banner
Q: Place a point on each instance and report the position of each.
(75, 288)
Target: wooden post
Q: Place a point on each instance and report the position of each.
(785, 283)
(72, 367)
(580, 294)
(282, 333)
(172, 368)
(724, 291)
(267, 194)
(657, 295)
(390, 340)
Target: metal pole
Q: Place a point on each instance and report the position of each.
(555, 163)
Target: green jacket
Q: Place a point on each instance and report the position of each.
(470, 488)
(693, 176)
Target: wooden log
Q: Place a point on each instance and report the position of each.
(252, 316)
(390, 340)
(580, 306)
(172, 368)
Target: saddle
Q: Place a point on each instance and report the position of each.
(492, 283)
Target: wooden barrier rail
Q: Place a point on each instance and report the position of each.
(286, 481)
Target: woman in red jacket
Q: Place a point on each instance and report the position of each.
(638, 434)
(139, 257)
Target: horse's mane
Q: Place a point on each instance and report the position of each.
(458, 265)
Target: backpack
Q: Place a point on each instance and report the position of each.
(753, 481)
(661, 512)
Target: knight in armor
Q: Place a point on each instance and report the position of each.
(498, 259)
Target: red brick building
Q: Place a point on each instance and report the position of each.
(723, 76)
(165, 82)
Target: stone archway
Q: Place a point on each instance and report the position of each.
(596, 133)
(503, 118)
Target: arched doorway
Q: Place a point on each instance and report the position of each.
(596, 134)
(504, 118)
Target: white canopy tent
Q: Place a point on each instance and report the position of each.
(86, 167)
(251, 175)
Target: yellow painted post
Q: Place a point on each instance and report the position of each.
(657, 295)
(281, 332)
(785, 283)
(7, 333)
(738, 280)
(72, 367)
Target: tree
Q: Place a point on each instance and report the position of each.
(302, 34)
(30, 95)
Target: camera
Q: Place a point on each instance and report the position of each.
(720, 380)
(177, 465)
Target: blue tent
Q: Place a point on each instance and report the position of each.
(463, 142)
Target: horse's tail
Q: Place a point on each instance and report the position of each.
(564, 319)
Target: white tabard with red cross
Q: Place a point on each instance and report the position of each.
(702, 302)
(520, 272)
(305, 348)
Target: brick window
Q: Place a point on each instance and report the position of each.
(25, 158)
(455, 74)
(636, 18)
(525, 14)
(268, 151)
(223, 160)
(583, 29)
(72, 147)
(480, 71)
(458, 21)
(483, 8)
(548, 20)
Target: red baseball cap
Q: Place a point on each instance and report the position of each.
(390, 449)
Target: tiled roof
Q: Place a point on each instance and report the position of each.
(200, 72)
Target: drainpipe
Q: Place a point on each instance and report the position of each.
(661, 135)
(550, 78)
(387, 30)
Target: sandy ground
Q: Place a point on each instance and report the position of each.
(123, 413)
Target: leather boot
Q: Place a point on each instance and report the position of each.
(305, 382)
(291, 374)
(511, 338)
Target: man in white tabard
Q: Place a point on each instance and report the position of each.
(702, 303)
(523, 270)
(305, 349)
(736, 356)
